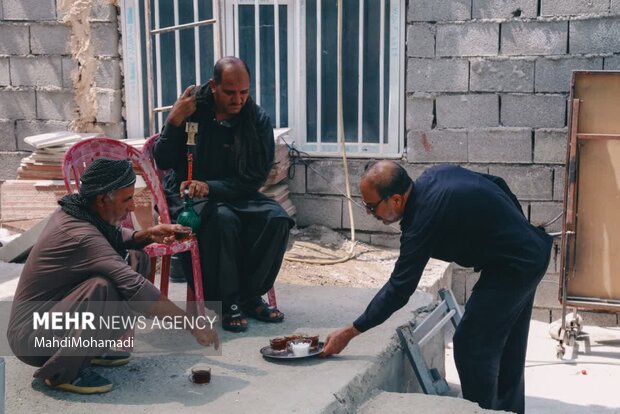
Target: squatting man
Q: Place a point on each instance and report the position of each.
(85, 262)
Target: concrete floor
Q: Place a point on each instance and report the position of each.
(156, 381)
(588, 384)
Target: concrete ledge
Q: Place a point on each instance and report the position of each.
(394, 403)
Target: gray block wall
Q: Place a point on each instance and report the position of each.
(36, 65)
(487, 84)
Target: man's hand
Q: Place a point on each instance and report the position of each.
(196, 188)
(165, 233)
(183, 107)
(338, 340)
(206, 337)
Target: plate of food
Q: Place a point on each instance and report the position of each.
(292, 347)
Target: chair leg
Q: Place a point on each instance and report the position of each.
(271, 296)
(190, 299)
(198, 292)
(165, 275)
(153, 268)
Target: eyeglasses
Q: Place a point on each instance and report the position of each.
(371, 208)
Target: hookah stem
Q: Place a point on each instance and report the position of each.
(190, 166)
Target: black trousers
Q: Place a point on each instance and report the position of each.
(490, 343)
(240, 253)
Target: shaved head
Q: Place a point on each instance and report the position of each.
(227, 63)
(387, 178)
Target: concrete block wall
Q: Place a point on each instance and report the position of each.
(36, 87)
(487, 84)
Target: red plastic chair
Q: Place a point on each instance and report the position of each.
(77, 159)
(147, 150)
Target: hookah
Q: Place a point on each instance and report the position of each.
(188, 216)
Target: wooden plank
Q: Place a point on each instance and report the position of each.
(598, 136)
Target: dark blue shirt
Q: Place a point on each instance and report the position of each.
(461, 216)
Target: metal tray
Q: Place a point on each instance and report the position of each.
(269, 353)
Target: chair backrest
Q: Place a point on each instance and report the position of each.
(155, 175)
(83, 153)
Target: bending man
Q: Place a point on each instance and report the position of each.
(473, 219)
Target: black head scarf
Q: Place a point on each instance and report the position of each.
(101, 177)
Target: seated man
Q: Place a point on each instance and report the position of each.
(78, 264)
(243, 234)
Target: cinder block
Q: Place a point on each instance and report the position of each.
(17, 104)
(5, 78)
(386, 240)
(471, 278)
(573, 7)
(421, 40)
(543, 212)
(534, 38)
(108, 74)
(55, 105)
(326, 211)
(104, 37)
(50, 39)
(437, 75)
(556, 256)
(444, 145)
(527, 182)
(43, 71)
(68, 66)
(298, 183)
(27, 128)
(467, 111)
(468, 39)
(503, 9)
(459, 276)
(419, 113)
(550, 146)
(112, 130)
(330, 177)
(559, 178)
(541, 314)
(554, 74)
(611, 62)
(109, 105)
(363, 220)
(595, 36)
(416, 170)
(103, 10)
(14, 39)
(360, 236)
(547, 292)
(100, 11)
(533, 111)
(502, 75)
(503, 145)
(9, 162)
(614, 7)
(438, 10)
(29, 9)
(7, 135)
